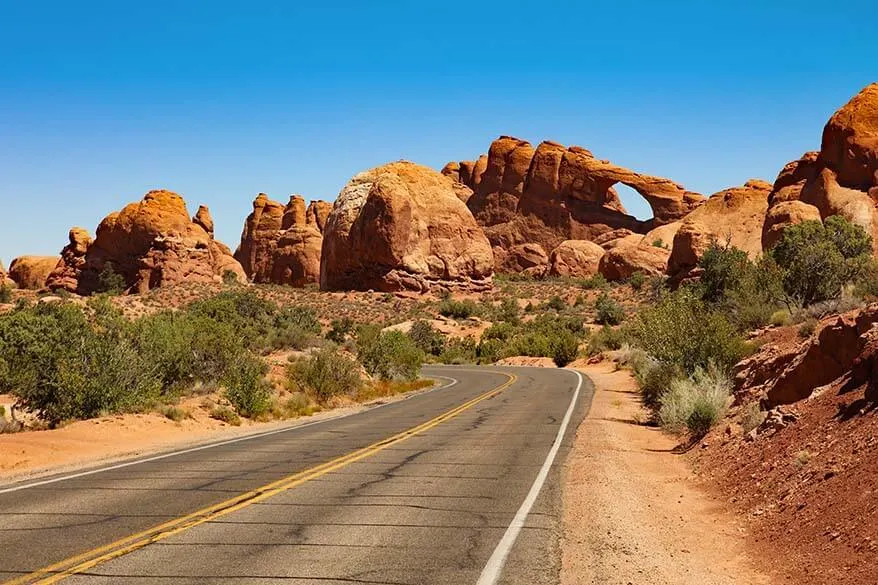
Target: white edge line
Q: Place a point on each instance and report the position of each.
(454, 381)
(491, 573)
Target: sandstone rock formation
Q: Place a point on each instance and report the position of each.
(31, 272)
(4, 278)
(150, 243)
(782, 215)
(784, 376)
(842, 178)
(524, 258)
(281, 244)
(632, 254)
(734, 216)
(576, 258)
(65, 275)
(548, 194)
(401, 226)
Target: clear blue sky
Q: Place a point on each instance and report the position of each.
(102, 101)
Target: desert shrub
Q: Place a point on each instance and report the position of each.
(817, 259)
(340, 329)
(388, 355)
(261, 324)
(631, 357)
(246, 387)
(608, 311)
(508, 310)
(807, 328)
(459, 351)
(637, 280)
(458, 309)
(565, 348)
(695, 403)
(680, 329)
(596, 281)
(757, 294)
(500, 331)
(752, 418)
(325, 374)
(722, 267)
(5, 294)
(556, 303)
(174, 413)
(426, 338)
(654, 378)
(60, 366)
(489, 351)
(109, 281)
(230, 278)
(780, 318)
(605, 339)
(225, 414)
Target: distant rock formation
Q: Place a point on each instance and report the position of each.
(544, 196)
(402, 226)
(281, 244)
(575, 258)
(31, 272)
(151, 243)
(4, 278)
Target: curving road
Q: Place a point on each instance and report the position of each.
(458, 485)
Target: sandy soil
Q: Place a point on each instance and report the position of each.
(633, 513)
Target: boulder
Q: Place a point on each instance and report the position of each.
(65, 275)
(549, 194)
(524, 257)
(31, 272)
(782, 215)
(576, 258)
(281, 244)
(734, 216)
(401, 226)
(151, 243)
(635, 254)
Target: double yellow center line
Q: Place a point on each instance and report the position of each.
(88, 560)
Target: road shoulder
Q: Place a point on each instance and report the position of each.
(632, 510)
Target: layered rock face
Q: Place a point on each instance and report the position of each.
(281, 244)
(31, 272)
(150, 243)
(840, 179)
(549, 194)
(402, 226)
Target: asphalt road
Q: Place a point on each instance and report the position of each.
(434, 489)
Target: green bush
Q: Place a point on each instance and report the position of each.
(226, 414)
(605, 339)
(595, 281)
(681, 330)
(426, 338)
(637, 280)
(508, 310)
(230, 278)
(325, 374)
(565, 348)
(500, 331)
(654, 379)
(5, 294)
(458, 309)
(340, 329)
(489, 351)
(722, 267)
(109, 281)
(246, 387)
(389, 355)
(459, 351)
(608, 311)
(60, 366)
(556, 303)
(818, 259)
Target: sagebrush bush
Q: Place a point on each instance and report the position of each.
(325, 374)
(5, 293)
(605, 339)
(608, 311)
(427, 338)
(389, 355)
(695, 403)
(458, 309)
(637, 280)
(595, 281)
(340, 330)
(246, 387)
(654, 379)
